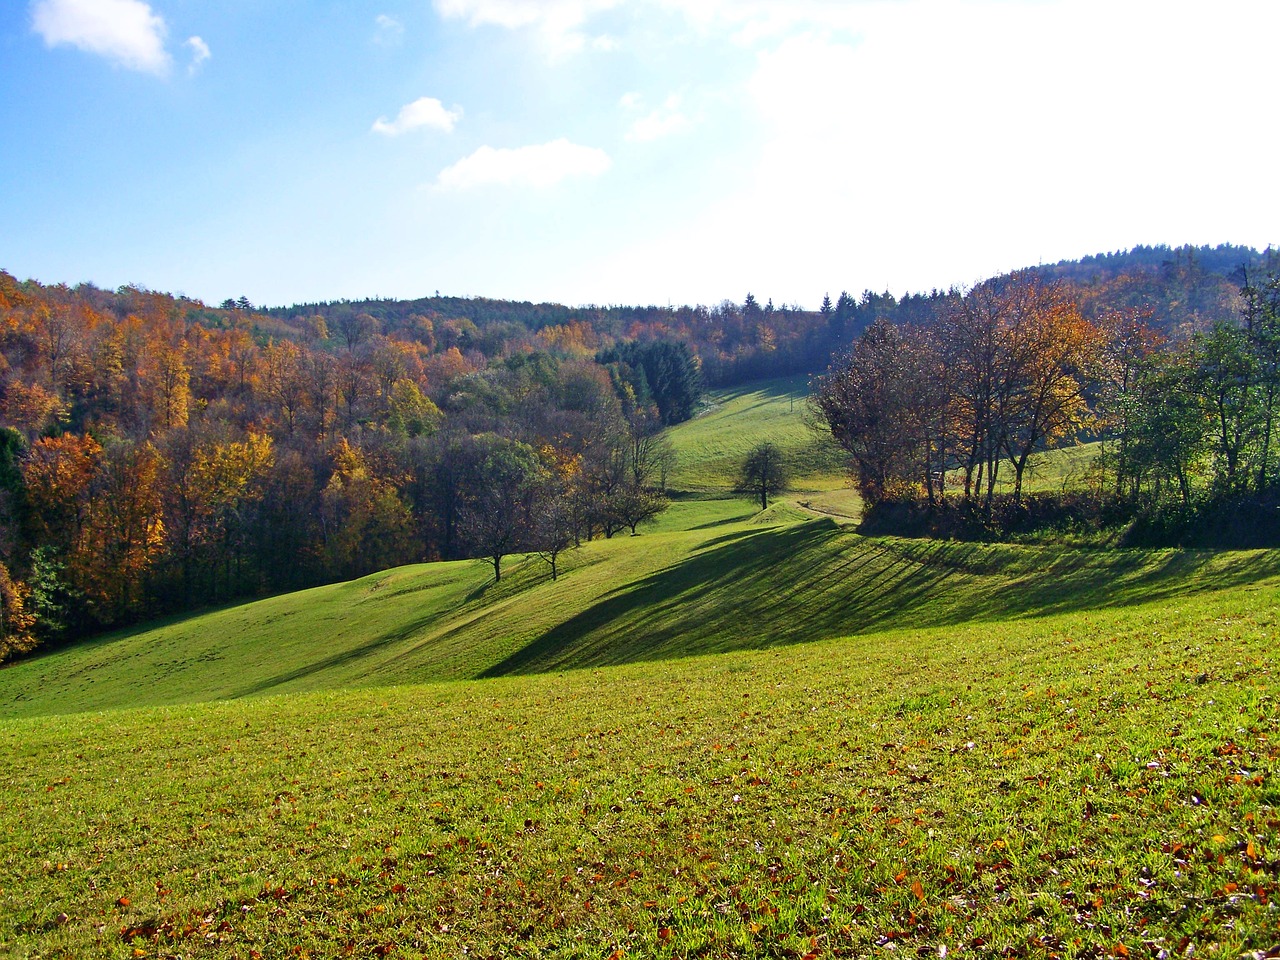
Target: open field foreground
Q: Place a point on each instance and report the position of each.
(740, 734)
(1007, 771)
(1080, 784)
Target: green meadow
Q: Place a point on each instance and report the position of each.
(740, 734)
(711, 447)
(730, 581)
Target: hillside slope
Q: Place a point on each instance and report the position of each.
(709, 580)
(711, 447)
(1071, 784)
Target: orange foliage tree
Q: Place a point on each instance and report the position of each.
(123, 530)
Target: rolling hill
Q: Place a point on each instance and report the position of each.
(715, 580)
(742, 733)
(1029, 775)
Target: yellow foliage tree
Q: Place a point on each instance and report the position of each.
(56, 475)
(16, 622)
(410, 411)
(123, 530)
(366, 524)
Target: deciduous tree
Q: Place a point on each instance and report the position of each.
(764, 473)
(498, 513)
(16, 621)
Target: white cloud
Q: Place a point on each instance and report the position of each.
(390, 30)
(559, 22)
(199, 53)
(564, 24)
(756, 20)
(127, 32)
(543, 165)
(662, 122)
(423, 112)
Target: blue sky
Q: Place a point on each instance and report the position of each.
(622, 151)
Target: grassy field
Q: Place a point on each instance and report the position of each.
(1057, 471)
(740, 734)
(713, 578)
(712, 446)
(1079, 784)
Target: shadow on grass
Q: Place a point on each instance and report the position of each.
(712, 524)
(101, 641)
(520, 574)
(348, 656)
(814, 581)
(1036, 581)
(720, 541)
(769, 390)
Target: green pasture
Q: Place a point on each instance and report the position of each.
(1086, 783)
(711, 447)
(713, 577)
(741, 734)
(1062, 470)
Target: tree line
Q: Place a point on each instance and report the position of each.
(158, 455)
(1012, 367)
(1188, 288)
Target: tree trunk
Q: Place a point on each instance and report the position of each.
(1019, 466)
(1266, 438)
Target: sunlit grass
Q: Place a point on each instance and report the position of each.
(711, 447)
(1070, 784)
(741, 734)
(1063, 470)
(733, 580)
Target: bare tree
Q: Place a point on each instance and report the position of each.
(554, 526)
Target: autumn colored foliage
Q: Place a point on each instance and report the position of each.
(999, 373)
(1012, 367)
(158, 454)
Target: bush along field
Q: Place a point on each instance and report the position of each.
(1014, 773)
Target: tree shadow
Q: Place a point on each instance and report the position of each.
(723, 539)
(712, 524)
(815, 581)
(770, 390)
(646, 619)
(400, 634)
